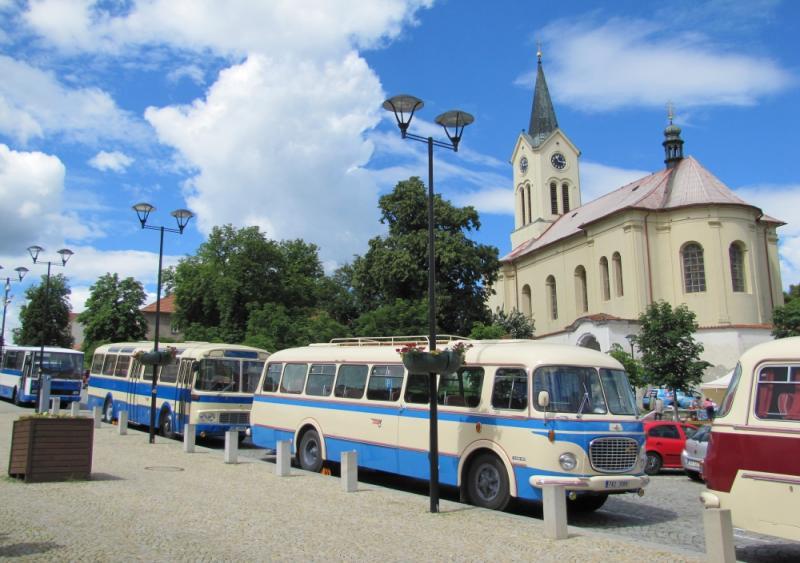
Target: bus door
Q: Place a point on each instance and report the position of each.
(27, 375)
(183, 390)
(131, 397)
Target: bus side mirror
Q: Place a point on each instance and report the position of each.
(543, 399)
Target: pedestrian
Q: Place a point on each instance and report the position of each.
(708, 404)
(659, 408)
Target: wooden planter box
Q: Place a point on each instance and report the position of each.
(51, 449)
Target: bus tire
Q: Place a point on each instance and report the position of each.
(653, 464)
(309, 454)
(108, 411)
(15, 397)
(487, 484)
(586, 503)
(165, 425)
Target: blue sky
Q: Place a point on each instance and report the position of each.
(268, 113)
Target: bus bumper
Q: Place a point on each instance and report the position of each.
(596, 483)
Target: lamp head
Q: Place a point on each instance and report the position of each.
(143, 210)
(403, 106)
(182, 216)
(455, 120)
(21, 271)
(65, 254)
(34, 252)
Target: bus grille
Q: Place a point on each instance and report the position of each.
(613, 455)
(234, 417)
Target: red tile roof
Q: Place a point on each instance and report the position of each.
(167, 305)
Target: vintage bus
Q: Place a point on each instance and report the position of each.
(752, 466)
(19, 373)
(518, 414)
(207, 384)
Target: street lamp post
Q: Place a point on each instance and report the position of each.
(44, 379)
(21, 271)
(631, 338)
(182, 217)
(404, 107)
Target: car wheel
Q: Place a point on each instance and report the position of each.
(653, 464)
(586, 503)
(310, 452)
(487, 484)
(694, 476)
(165, 425)
(108, 411)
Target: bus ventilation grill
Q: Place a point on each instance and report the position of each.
(613, 455)
(234, 418)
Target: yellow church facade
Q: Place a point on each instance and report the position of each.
(585, 272)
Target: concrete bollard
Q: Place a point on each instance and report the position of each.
(75, 408)
(555, 512)
(98, 416)
(231, 446)
(189, 438)
(718, 527)
(350, 471)
(122, 423)
(55, 406)
(283, 453)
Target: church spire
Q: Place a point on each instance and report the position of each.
(543, 117)
(673, 144)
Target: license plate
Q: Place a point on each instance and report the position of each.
(617, 484)
(693, 464)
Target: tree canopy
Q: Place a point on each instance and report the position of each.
(113, 312)
(786, 319)
(32, 315)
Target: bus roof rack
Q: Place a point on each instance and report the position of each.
(392, 340)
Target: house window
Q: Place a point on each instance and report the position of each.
(553, 198)
(616, 259)
(527, 301)
(581, 293)
(694, 272)
(565, 196)
(604, 278)
(552, 297)
(736, 255)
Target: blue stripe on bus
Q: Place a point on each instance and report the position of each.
(166, 392)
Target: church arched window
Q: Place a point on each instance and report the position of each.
(604, 278)
(552, 297)
(527, 301)
(565, 196)
(530, 212)
(736, 255)
(694, 270)
(522, 205)
(581, 293)
(616, 260)
(553, 198)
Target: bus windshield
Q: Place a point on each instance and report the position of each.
(61, 365)
(228, 375)
(580, 390)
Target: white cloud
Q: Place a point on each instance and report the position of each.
(598, 179)
(192, 72)
(114, 160)
(624, 62)
(33, 103)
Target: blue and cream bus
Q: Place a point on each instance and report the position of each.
(518, 415)
(207, 384)
(19, 373)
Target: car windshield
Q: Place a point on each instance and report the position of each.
(702, 434)
(61, 365)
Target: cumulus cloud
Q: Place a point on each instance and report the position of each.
(192, 72)
(624, 62)
(599, 179)
(114, 160)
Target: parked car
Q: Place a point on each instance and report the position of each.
(685, 400)
(694, 453)
(665, 440)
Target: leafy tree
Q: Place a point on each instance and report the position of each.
(786, 319)
(273, 327)
(113, 312)
(512, 325)
(482, 331)
(396, 265)
(54, 330)
(633, 367)
(792, 294)
(670, 354)
(402, 316)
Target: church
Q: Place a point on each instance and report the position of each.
(585, 272)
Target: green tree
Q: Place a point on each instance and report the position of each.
(482, 331)
(396, 265)
(512, 325)
(113, 312)
(633, 367)
(402, 316)
(670, 354)
(274, 327)
(786, 319)
(54, 330)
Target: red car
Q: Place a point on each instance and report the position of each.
(665, 441)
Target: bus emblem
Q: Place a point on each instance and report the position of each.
(615, 427)
(376, 421)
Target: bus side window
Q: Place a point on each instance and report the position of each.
(773, 381)
(351, 381)
(417, 388)
(97, 363)
(121, 369)
(510, 389)
(385, 383)
(108, 364)
(461, 389)
(294, 377)
(320, 380)
(272, 378)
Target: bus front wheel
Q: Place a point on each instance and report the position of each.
(165, 424)
(310, 452)
(488, 482)
(15, 397)
(108, 411)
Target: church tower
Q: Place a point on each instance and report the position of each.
(546, 179)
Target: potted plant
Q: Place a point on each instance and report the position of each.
(51, 448)
(156, 358)
(417, 360)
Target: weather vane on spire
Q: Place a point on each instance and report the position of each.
(670, 112)
(539, 50)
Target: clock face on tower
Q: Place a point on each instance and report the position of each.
(523, 165)
(558, 161)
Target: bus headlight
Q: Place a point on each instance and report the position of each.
(567, 461)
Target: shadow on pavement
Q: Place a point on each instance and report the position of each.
(23, 549)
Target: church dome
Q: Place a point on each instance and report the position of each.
(672, 131)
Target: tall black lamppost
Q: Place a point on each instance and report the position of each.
(453, 122)
(44, 379)
(631, 338)
(6, 300)
(182, 217)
